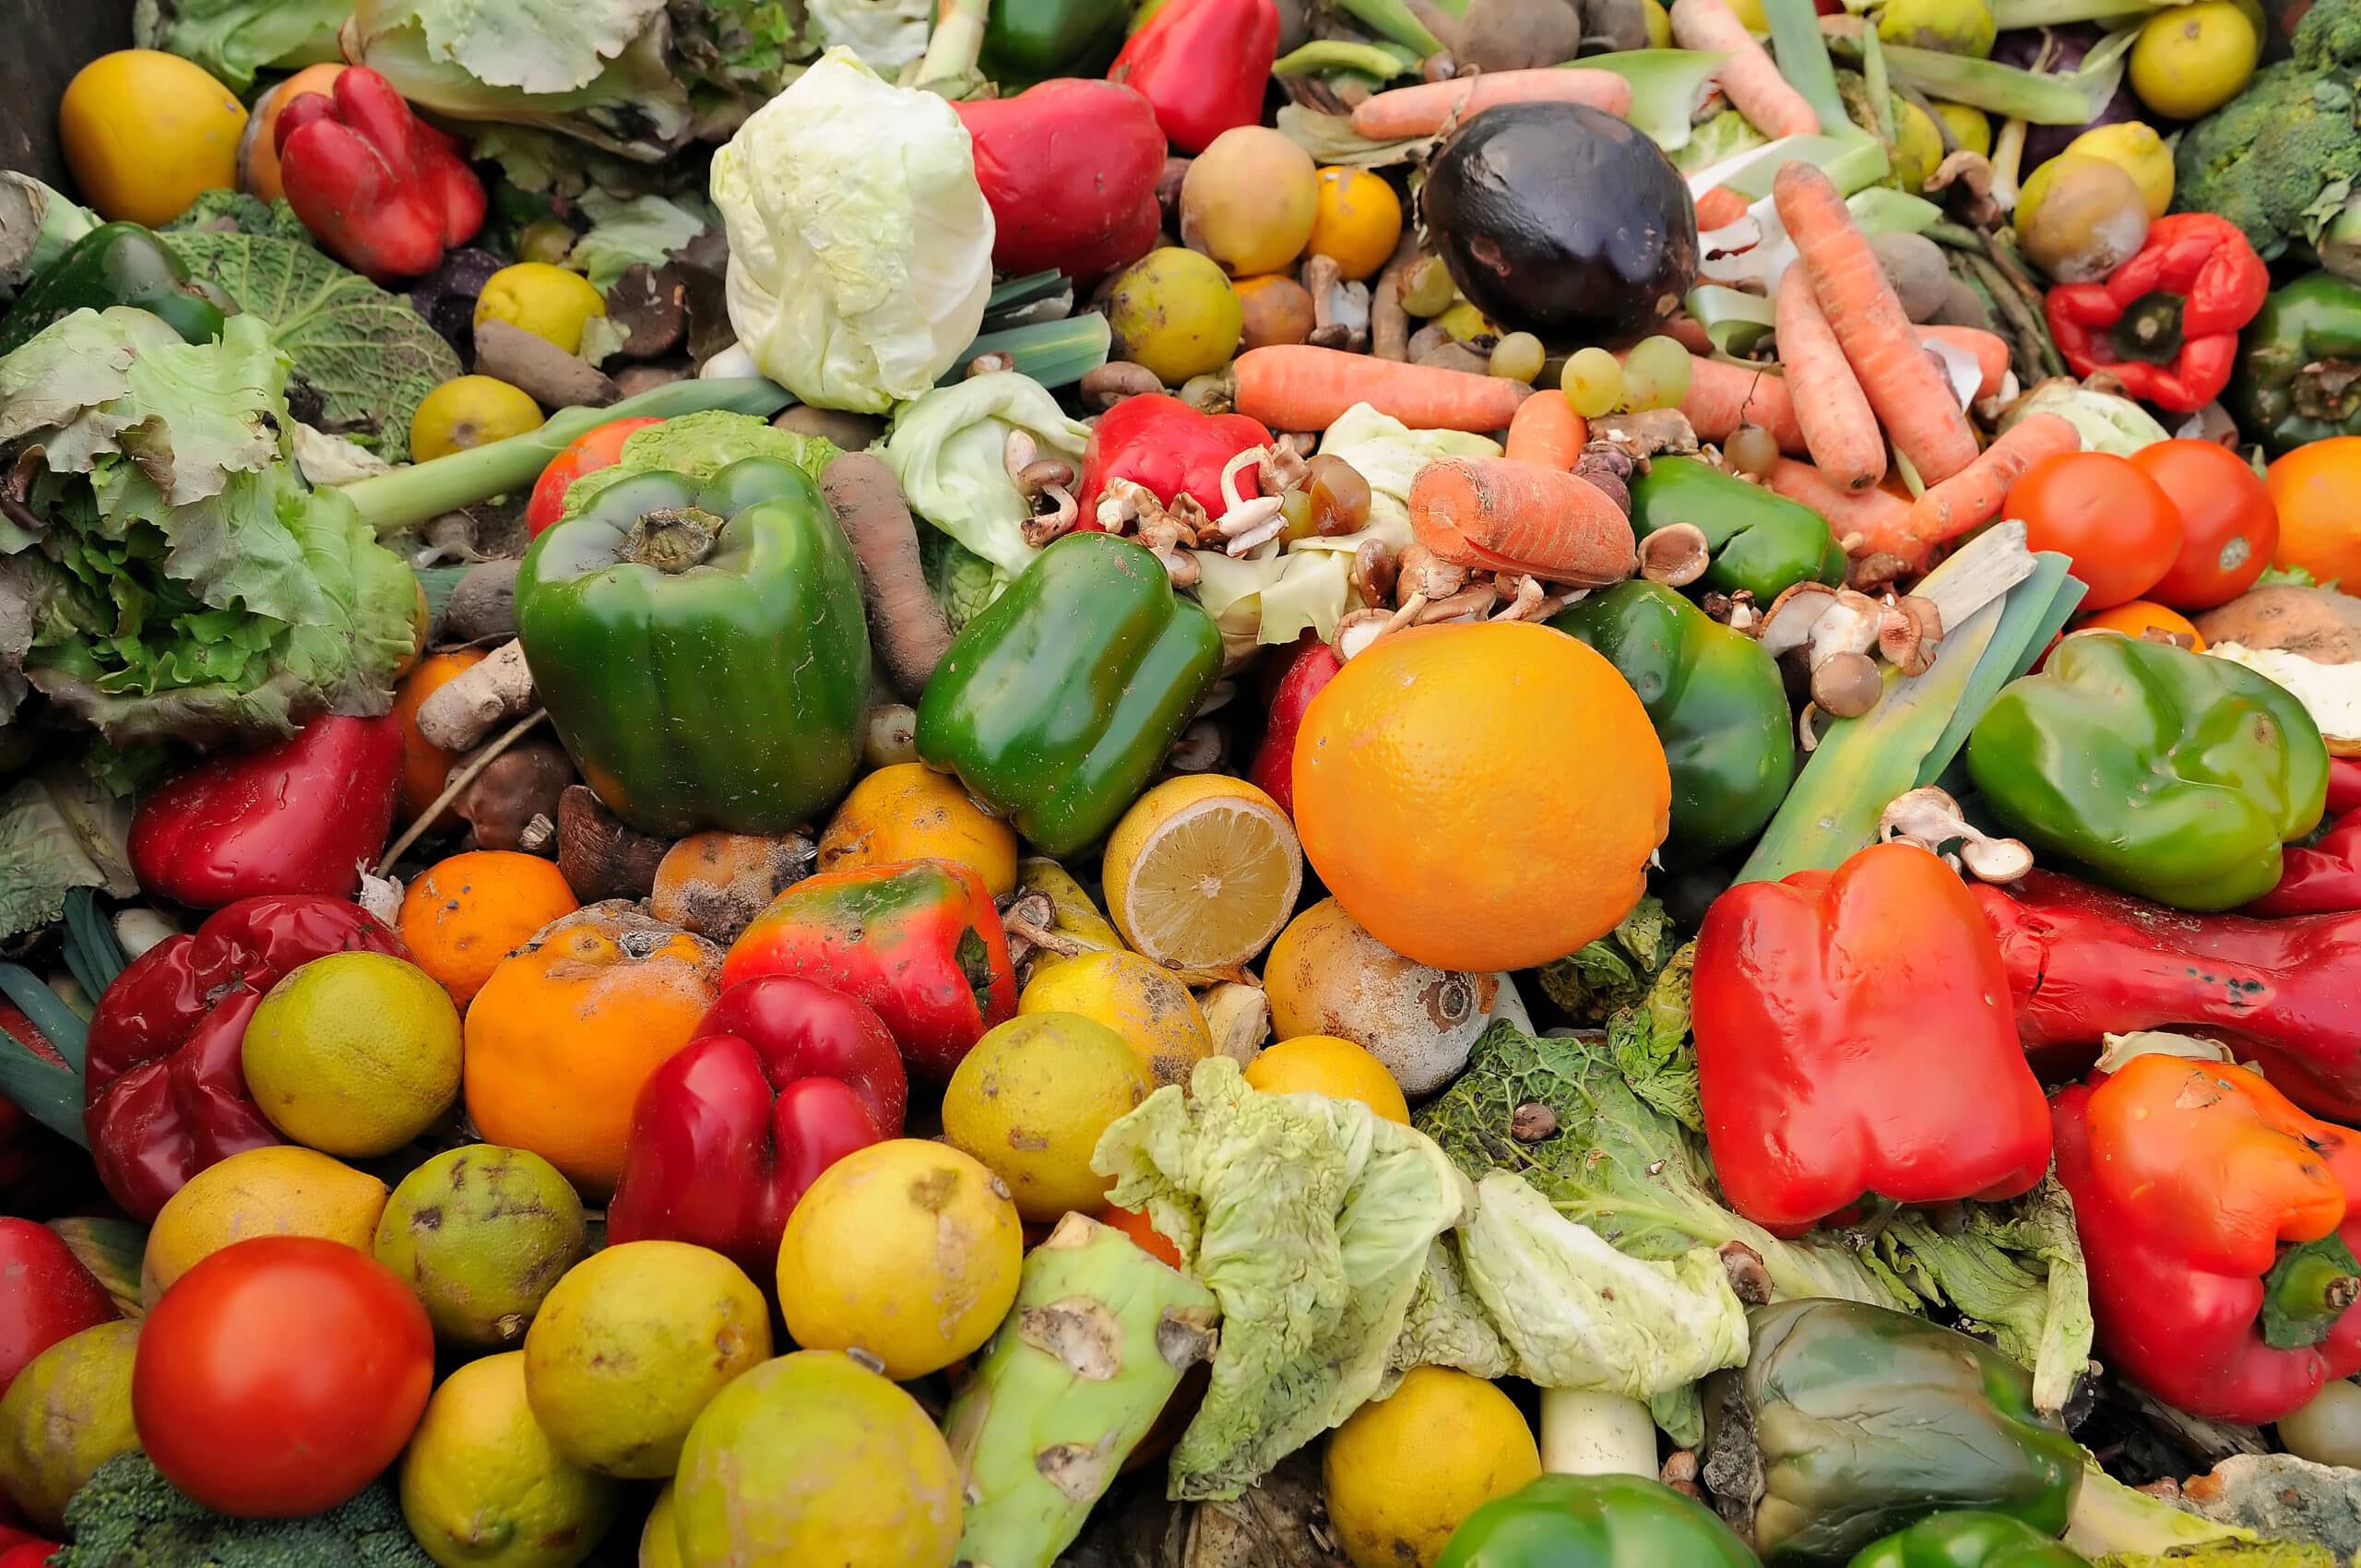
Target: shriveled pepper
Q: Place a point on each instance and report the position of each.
(1163, 443)
(1307, 674)
(1969, 1539)
(383, 191)
(1069, 169)
(2323, 876)
(2166, 323)
(1761, 543)
(1056, 704)
(1594, 1522)
(2220, 1224)
(1204, 65)
(918, 941)
(782, 1078)
(2156, 770)
(117, 264)
(2299, 376)
(1854, 1038)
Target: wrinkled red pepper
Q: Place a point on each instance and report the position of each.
(21, 1549)
(1853, 1040)
(1069, 169)
(1203, 63)
(1160, 443)
(164, 1091)
(919, 940)
(2324, 876)
(1314, 665)
(2220, 1224)
(383, 191)
(45, 1295)
(2084, 962)
(781, 1079)
(301, 815)
(2166, 323)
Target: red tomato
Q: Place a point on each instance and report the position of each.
(281, 1375)
(2114, 523)
(45, 1294)
(587, 453)
(2229, 526)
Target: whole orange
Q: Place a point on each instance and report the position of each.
(2315, 488)
(1480, 796)
(2135, 618)
(425, 765)
(466, 913)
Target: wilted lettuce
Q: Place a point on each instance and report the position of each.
(947, 449)
(2104, 421)
(233, 39)
(701, 446)
(645, 230)
(887, 34)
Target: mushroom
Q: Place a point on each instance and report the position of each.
(1047, 485)
(1647, 432)
(1199, 749)
(1846, 683)
(599, 856)
(1528, 601)
(1374, 571)
(1835, 629)
(1116, 380)
(991, 363)
(1249, 521)
(1929, 818)
(1908, 633)
(1675, 555)
(1359, 629)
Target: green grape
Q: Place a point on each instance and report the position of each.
(1593, 382)
(1518, 357)
(1427, 290)
(1751, 450)
(1655, 374)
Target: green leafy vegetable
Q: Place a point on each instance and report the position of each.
(962, 580)
(233, 39)
(1649, 1043)
(1616, 972)
(59, 830)
(244, 214)
(946, 449)
(37, 224)
(646, 228)
(2228, 1554)
(701, 446)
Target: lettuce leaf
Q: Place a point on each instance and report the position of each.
(701, 446)
(945, 448)
(646, 228)
(234, 39)
(59, 830)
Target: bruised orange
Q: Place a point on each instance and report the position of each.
(1481, 796)
(466, 913)
(2319, 525)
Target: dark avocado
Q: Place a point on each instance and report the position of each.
(1562, 221)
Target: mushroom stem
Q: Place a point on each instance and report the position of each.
(1929, 818)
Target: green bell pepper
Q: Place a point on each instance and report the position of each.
(116, 264)
(2298, 373)
(1715, 698)
(702, 649)
(1969, 1539)
(1761, 542)
(1030, 41)
(1850, 1422)
(2158, 771)
(1056, 704)
(1594, 1522)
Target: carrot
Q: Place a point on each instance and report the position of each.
(1298, 386)
(1720, 208)
(1850, 514)
(1974, 495)
(905, 623)
(1723, 396)
(1912, 397)
(1989, 349)
(1546, 430)
(1505, 515)
(1423, 110)
(1748, 78)
(1838, 427)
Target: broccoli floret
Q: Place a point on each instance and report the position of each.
(2283, 160)
(128, 1515)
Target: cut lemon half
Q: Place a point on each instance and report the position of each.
(1202, 872)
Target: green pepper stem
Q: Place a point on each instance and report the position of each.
(2313, 1287)
(2149, 331)
(671, 540)
(1585, 1432)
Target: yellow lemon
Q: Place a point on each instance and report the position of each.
(1140, 1000)
(2190, 60)
(2139, 151)
(1918, 148)
(1030, 1100)
(1405, 1471)
(146, 133)
(354, 1054)
(1968, 127)
(1660, 23)
(483, 1486)
(280, 1191)
(468, 411)
(548, 301)
(1325, 1065)
(659, 1539)
(1750, 15)
(908, 812)
(67, 1413)
(1202, 872)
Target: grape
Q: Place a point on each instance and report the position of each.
(1427, 290)
(1296, 507)
(1594, 382)
(1751, 450)
(1518, 357)
(1655, 374)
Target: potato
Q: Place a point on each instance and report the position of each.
(2321, 624)
(1915, 265)
(1250, 200)
(1517, 35)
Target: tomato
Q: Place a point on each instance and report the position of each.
(2114, 523)
(45, 1294)
(2229, 524)
(587, 453)
(2319, 528)
(281, 1375)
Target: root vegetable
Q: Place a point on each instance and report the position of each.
(465, 709)
(1915, 266)
(1546, 430)
(1747, 76)
(1722, 397)
(1867, 512)
(1845, 443)
(854, 432)
(1302, 387)
(2321, 624)
(1508, 516)
(715, 884)
(1430, 107)
(1975, 496)
(539, 368)
(1518, 35)
(905, 623)
(1990, 350)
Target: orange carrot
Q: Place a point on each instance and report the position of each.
(1989, 349)
(1749, 78)
(1298, 386)
(1838, 427)
(1423, 110)
(1912, 397)
(1720, 208)
(1723, 396)
(1974, 495)
(1504, 515)
(1850, 515)
(1546, 430)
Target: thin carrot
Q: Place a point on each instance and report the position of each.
(1505, 515)
(1546, 430)
(1723, 396)
(1850, 514)
(1974, 495)
(1838, 427)
(1298, 386)
(1989, 349)
(1913, 399)
(1720, 208)
(1749, 78)
(1423, 110)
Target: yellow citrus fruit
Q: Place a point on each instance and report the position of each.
(815, 1459)
(146, 133)
(355, 1054)
(631, 1345)
(1327, 974)
(482, 1486)
(1202, 872)
(1660, 22)
(481, 1233)
(548, 301)
(1357, 223)
(1174, 312)
(2190, 60)
(908, 812)
(1403, 1472)
(1918, 148)
(2134, 619)
(280, 1191)
(1030, 1100)
(1967, 125)
(1325, 1065)
(2139, 151)
(67, 1413)
(468, 412)
(1139, 999)
(660, 1538)
(908, 1250)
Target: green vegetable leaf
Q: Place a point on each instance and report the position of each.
(219, 211)
(1614, 972)
(59, 831)
(2228, 1554)
(233, 39)
(1651, 1049)
(945, 449)
(536, 46)
(701, 446)
(963, 581)
(646, 228)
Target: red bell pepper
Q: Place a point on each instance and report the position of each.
(1160, 443)
(20, 1549)
(587, 453)
(2166, 323)
(2324, 876)
(2084, 963)
(1069, 169)
(781, 1079)
(381, 190)
(301, 815)
(1314, 665)
(1853, 1039)
(919, 940)
(164, 1091)
(2220, 1224)
(45, 1294)
(26, 1144)
(1204, 65)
